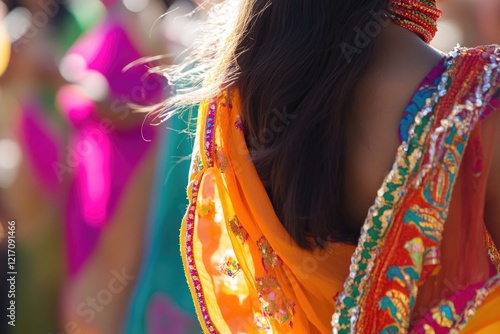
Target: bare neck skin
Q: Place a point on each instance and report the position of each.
(400, 62)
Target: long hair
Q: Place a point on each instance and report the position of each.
(295, 63)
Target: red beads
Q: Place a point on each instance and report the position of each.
(419, 16)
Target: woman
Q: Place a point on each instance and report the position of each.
(306, 109)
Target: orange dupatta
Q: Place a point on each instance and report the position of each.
(231, 238)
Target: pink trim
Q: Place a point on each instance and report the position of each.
(193, 271)
(210, 133)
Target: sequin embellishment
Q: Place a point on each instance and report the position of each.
(238, 230)
(229, 266)
(274, 303)
(210, 134)
(269, 257)
(238, 123)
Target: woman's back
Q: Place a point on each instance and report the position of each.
(400, 62)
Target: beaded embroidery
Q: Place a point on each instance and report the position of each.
(197, 168)
(197, 165)
(269, 257)
(191, 263)
(209, 134)
(419, 16)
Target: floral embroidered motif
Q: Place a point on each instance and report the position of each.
(238, 230)
(416, 249)
(269, 257)
(197, 165)
(229, 266)
(206, 208)
(432, 257)
(426, 221)
(238, 123)
(274, 304)
(445, 315)
(398, 304)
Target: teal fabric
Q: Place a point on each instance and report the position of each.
(162, 302)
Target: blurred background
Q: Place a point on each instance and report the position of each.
(93, 193)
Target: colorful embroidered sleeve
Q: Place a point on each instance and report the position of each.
(413, 205)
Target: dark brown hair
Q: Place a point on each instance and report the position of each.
(295, 63)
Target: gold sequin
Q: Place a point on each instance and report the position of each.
(274, 304)
(238, 230)
(269, 257)
(229, 266)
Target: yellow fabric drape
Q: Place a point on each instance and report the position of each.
(253, 276)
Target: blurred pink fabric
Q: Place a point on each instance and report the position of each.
(105, 156)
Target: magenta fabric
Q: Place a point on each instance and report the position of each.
(40, 145)
(99, 181)
(459, 300)
(105, 156)
(108, 49)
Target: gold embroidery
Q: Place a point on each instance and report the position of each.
(274, 304)
(206, 208)
(269, 257)
(445, 314)
(238, 230)
(229, 266)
